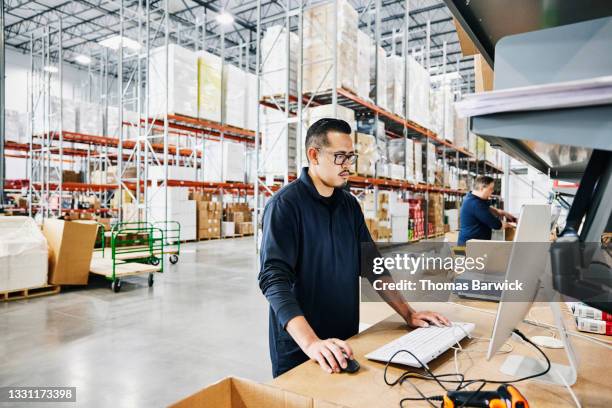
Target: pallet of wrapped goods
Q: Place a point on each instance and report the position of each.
(228, 229)
(327, 111)
(394, 84)
(23, 254)
(209, 86)
(418, 161)
(449, 115)
(461, 132)
(362, 74)
(367, 155)
(224, 161)
(90, 118)
(235, 92)
(378, 54)
(418, 93)
(431, 163)
(251, 101)
(275, 73)
(397, 171)
(16, 126)
(319, 44)
(181, 85)
(278, 143)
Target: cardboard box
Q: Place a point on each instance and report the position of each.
(232, 392)
(483, 73)
(70, 250)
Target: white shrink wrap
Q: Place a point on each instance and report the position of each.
(378, 57)
(394, 84)
(209, 68)
(362, 73)
(182, 81)
(23, 254)
(235, 92)
(319, 47)
(278, 143)
(418, 93)
(277, 67)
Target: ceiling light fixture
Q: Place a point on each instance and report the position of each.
(225, 18)
(83, 59)
(116, 41)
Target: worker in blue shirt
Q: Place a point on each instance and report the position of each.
(310, 258)
(477, 217)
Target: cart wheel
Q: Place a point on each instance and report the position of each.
(173, 258)
(151, 280)
(154, 261)
(116, 285)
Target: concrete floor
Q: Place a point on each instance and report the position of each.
(204, 319)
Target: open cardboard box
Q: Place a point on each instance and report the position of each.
(233, 392)
(71, 246)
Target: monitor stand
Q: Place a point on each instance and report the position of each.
(519, 366)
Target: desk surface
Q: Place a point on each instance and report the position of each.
(367, 388)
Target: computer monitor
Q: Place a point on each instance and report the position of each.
(529, 263)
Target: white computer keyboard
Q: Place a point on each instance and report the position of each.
(425, 343)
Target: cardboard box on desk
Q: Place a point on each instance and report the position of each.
(232, 392)
(70, 250)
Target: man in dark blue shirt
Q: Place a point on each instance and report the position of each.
(477, 217)
(310, 258)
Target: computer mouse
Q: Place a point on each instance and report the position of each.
(352, 366)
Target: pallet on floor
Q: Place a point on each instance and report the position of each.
(208, 238)
(29, 293)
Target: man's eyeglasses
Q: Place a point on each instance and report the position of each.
(342, 158)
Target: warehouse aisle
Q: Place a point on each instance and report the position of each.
(144, 347)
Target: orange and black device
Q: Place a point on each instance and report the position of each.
(506, 396)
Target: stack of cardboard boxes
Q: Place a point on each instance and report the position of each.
(240, 215)
(208, 215)
(376, 213)
(435, 212)
(416, 229)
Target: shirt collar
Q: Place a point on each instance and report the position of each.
(307, 181)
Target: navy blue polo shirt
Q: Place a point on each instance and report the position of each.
(310, 259)
(476, 219)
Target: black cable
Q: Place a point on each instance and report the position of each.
(462, 382)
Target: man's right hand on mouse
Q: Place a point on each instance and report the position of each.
(329, 354)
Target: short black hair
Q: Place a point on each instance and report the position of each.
(316, 136)
(483, 181)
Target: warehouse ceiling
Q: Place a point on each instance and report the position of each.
(86, 22)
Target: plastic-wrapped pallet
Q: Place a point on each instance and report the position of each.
(179, 209)
(436, 108)
(401, 152)
(394, 84)
(274, 76)
(449, 115)
(318, 47)
(182, 85)
(442, 112)
(431, 163)
(461, 132)
(396, 171)
(90, 118)
(418, 161)
(209, 68)
(235, 91)
(23, 254)
(277, 146)
(418, 93)
(251, 102)
(227, 167)
(380, 58)
(327, 111)
(70, 114)
(365, 147)
(472, 141)
(362, 73)
(16, 126)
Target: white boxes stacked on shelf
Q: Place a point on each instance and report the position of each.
(251, 102)
(452, 217)
(180, 209)
(442, 113)
(399, 212)
(235, 94)
(362, 71)
(418, 93)
(396, 171)
(274, 75)
(277, 146)
(227, 164)
(460, 132)
(23, 254)
(209, 69)
(367, 154)
(182, 82)
(174, 173)
(319, 47)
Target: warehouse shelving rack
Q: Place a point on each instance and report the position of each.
(396, 126)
